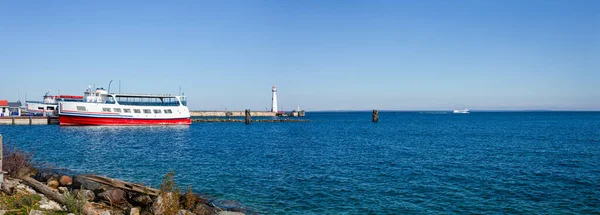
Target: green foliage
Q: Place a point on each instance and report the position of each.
(74, 204)
(19, 203)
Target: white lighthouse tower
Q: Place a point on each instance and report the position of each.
(274, 100)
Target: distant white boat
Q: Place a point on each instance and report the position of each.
(463, 111)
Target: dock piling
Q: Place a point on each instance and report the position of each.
(375, 116)
(248, 117)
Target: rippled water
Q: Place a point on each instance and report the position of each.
(341, 163)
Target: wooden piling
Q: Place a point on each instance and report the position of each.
(375, 116)
(248, 117)
(13, 120)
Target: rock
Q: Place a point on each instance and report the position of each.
(45, 176)
(65, 180)
(48, 204)
(229, 213)
(35, 212)
(21, 188)
(79, 182)
(144, 200)
(53, 184)
(114, 196)
(134, 211)
(63, 190)
(84, 194)
(203, 209)
(8, 186)
(184, 212)
(158, 206)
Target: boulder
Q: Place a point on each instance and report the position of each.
(114, 196)
(63, 190)
(144, 200)
(36, 212)
(158, 207)
(53, 184)
(184, 212)
(48, 204)
(8, 186)
(45, 176)
(84, 194)
(79, 182)
(229, 213)
(65, 180)
(24, 189)
(134, 211)
(203, 209)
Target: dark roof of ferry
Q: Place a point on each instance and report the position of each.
(142, 95)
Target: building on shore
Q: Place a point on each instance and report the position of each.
(10, 108)
(4, 108)
(15, 108)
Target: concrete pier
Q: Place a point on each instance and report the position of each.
(230, 113)
(24, 120)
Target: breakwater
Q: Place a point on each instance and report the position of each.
(230, 113)
(243, 120)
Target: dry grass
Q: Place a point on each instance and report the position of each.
(16, 163)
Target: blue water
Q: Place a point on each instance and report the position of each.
(341, 163)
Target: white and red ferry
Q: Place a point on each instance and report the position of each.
(49, 105)
(99, 107)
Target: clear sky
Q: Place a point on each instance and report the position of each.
(322, 55)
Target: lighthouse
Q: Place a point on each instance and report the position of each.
(274, 99)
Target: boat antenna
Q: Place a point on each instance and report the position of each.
(109, 86)
(119, 86)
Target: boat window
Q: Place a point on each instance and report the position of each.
(168, 111)
(40, 108)
(49, 108)
(105, 109)
(110, 100)
(126, 110)
(147, 111)
(81, 108)
(136, 111)
(156, 111)
(117, 110)
(147, 100)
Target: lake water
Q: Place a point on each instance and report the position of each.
(341, 163)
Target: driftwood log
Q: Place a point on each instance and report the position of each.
(138, 188)
(88, 208)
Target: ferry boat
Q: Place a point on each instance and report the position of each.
(48, 106)
(463, 111)
(99, 107)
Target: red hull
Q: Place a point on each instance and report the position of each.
(78, 120)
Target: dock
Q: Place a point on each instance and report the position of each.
(28, 120)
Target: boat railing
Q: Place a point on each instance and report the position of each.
(149, 103)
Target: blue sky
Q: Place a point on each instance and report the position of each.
(322, 55)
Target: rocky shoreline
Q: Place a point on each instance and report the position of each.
(52, 193)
